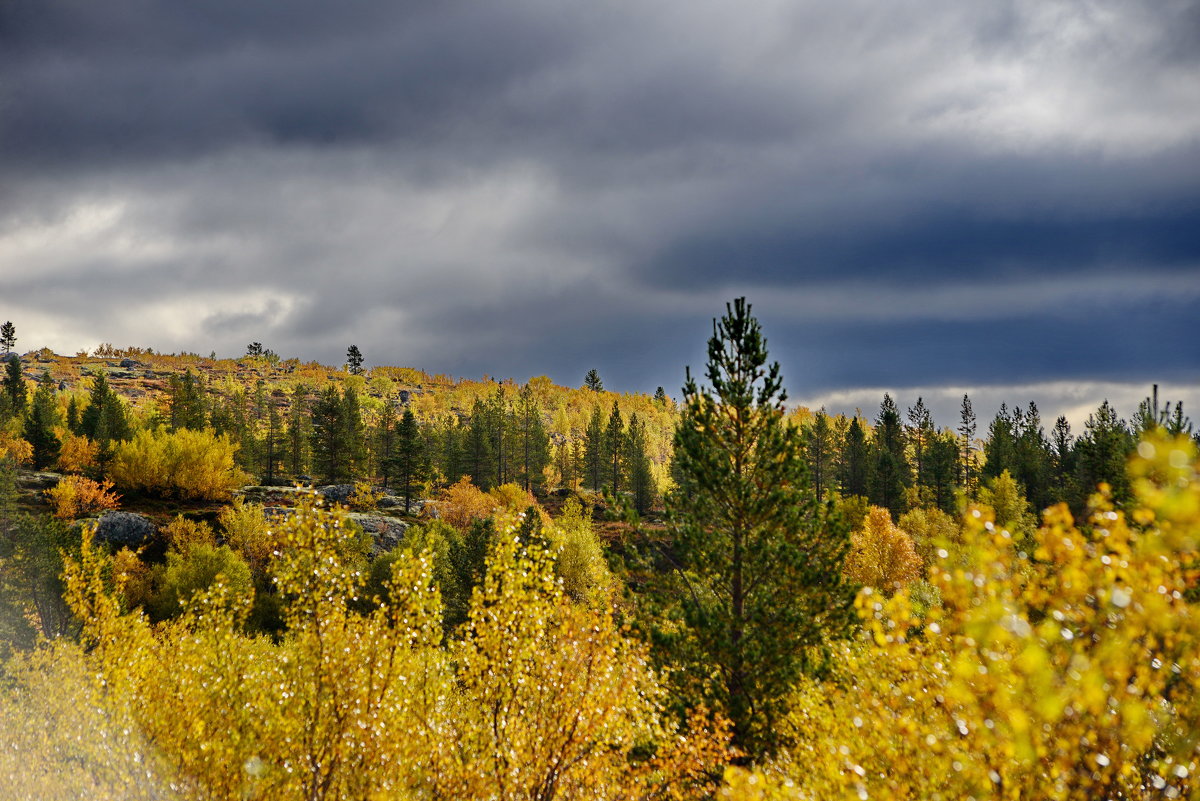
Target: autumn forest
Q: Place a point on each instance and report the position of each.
(262, 578)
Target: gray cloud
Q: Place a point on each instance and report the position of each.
(916, 194)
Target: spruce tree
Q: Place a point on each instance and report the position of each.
(329, 447)
(1100, 457)
(966, 436)
(592, 381)
(660, 396)
(637, 460)
(354, 360)
(298, 433)
(8, 336)
(760, 565)
(594, 449)
(856, 469)
(890, 475)
(385, 441)
(478, 449)
(354, 434)
(14, 386)
(40, 423)
(614, 449)
(819, 448)
(410, 465)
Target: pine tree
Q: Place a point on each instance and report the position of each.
(354, 360)
(819, 448)
(641, 479)
(104, 421)
(329, 447)
(385, 441)
(409, 464)
(761, 568)
(185, 402)
(920, 434)
(592, 381)
(8, 336)
(856, 469)
(533, 443)
(14, 386)
(354, 433)
(966, 435)
(40, 424)
(1100, 456)
(452, 450)
(890, 475)
(614, 449)
(1033, 467)
(272, 445)
(660, 396)
(478, 453)
(299, 432)
(942, 470)
(594, 449)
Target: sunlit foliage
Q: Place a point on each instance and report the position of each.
(882, 554)
(76, 496)
(1064, 667)
(539, 698)
(185, 463)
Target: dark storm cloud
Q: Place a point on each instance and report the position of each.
(914, 192)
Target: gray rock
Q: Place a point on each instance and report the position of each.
(37, 481)
(125, 529)
(337, 493)
(128, 363)
(386, 532)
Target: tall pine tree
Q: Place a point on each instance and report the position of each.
(761, 569)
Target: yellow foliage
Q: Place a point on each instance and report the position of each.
(15, 448)
(1060, 667)
(463, 502)
(78, 453)
(189, 464)
(76, 496)
(542, 698)
(512, 498)
(246, 532)
(183, 534)
(881, 555)
(364, 497)
(579, 562)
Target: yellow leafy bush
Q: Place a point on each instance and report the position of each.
(78, 453)
(462, 503)
(183, 534)
(365, 497)
(541, 698)
(188, 464)
(245, 531)
(76, 496)
(881, 554)
(14, 448)
(1063, 666)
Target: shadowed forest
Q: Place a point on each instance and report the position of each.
(262, 578)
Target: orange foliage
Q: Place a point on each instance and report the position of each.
(462, 503)
(15, 448)
(75, 496)
(77, 454)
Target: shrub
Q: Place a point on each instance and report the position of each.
(195, 569)
(182, 534)
(78, 453)
(246, 532)
(15, 448)
(187, 464)
(76, 496)
(364, 498)
(580, 563)
(881, 555)
(462, 503)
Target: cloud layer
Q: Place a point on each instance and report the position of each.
(917, 194)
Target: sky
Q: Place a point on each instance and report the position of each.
(926, 198)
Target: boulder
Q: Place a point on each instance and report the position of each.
(336, 493)
(37, 481)
(126, 529)
(128, 363)
(386, 532)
